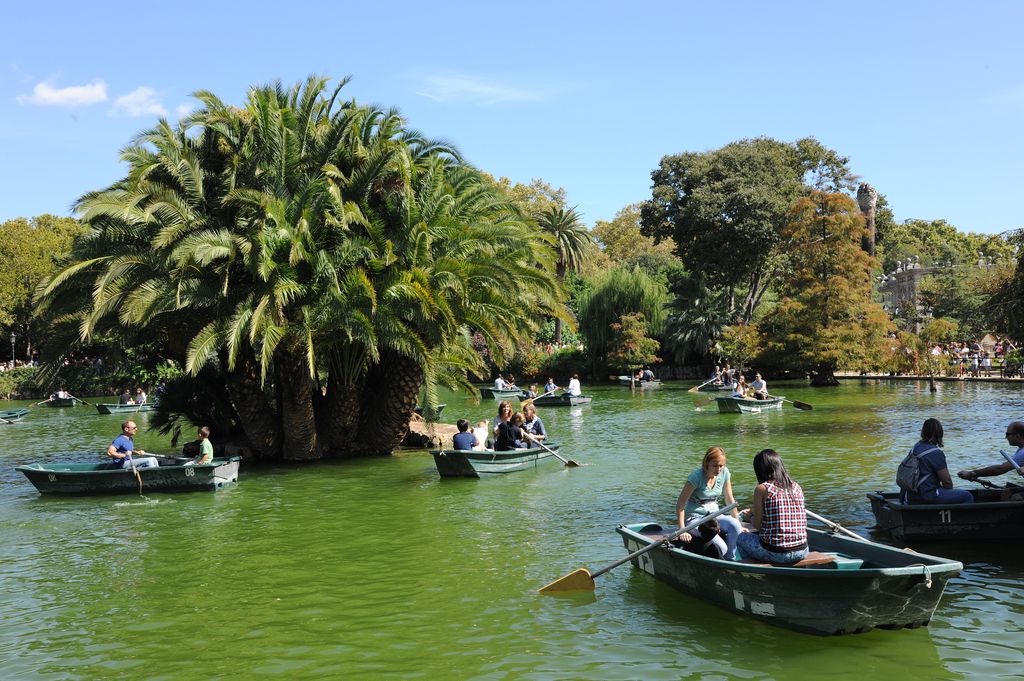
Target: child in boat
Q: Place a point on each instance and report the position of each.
(463, 440)
(708, 541)
(205, 447)
(481, 436)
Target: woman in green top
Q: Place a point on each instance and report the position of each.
(700, 495)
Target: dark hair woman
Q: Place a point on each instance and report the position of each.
(934, 484)
(778, 515)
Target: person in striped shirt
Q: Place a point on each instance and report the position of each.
(778, 517)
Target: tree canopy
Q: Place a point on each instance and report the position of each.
(726, 209)
(30, 251)
(826, 318)
(312, 262)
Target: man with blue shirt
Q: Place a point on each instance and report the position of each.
(464, 440)
(122, 449)
(1015, 436)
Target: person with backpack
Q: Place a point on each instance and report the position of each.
(923, 476)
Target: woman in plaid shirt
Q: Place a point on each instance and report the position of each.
(778, 516)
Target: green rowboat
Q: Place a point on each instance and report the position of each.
(844, 586)
(108, 478)
(61, 402)
(125, 408)
(740, 405)
(12, 415)
(563, 400)
(456, 463)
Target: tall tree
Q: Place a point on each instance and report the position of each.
(570, 238)
(826, 319)
(30, 251)
(612, 295)
(726, 209)
(624, 244)
(322, 257)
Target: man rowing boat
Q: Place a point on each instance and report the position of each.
(1015, 436)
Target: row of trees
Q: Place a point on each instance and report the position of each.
(317, 267)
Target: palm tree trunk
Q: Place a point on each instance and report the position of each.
(338, 420)
(256, 412)
(392, 388)
(298, 418)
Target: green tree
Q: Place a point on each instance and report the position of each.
(616, 293)
(934, 242)
(739, 344)
(624, 244)
(322, 260)
(570, 237)
(726, 210)
(826, 319)
(631, 349)
(30, 251)
(696, 317)
(965, 294)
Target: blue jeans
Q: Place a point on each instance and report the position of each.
(941, 496)
(750, 549)
(141, 462)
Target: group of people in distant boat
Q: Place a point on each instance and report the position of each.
(933, 483)
(127, 398)
(509, 430)
(645, 374)
(755, 390)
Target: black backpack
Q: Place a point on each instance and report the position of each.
(908, 475)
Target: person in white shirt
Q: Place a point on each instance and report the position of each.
(759, 387)
(499, 383)
(574, 386)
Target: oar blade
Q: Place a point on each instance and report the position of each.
(701, 403)
(577, 580)
(802, 405)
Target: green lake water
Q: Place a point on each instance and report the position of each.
(379, 569)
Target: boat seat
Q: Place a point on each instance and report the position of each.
(812, 559)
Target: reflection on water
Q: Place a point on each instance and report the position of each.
(380, 569)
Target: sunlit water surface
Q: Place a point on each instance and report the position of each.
(379, 569)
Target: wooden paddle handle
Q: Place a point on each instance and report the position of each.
(675, 535)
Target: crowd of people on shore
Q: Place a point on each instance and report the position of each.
(975, 359)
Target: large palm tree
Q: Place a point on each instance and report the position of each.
(327, 260)
(570, 237)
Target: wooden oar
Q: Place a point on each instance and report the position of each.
(6, 421)
(835, 527)
(1013, 464)
(79, 399)
(698, 387)
(702, 402)
(135, 470)
(583, 579)
(568, 462)
(530, 400)
(796, 403)
(43, 402)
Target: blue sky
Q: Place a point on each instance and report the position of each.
(925, 98)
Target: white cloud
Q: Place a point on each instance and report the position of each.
(183, 110)
(141, 101)
(45, 94)
(474, 89)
